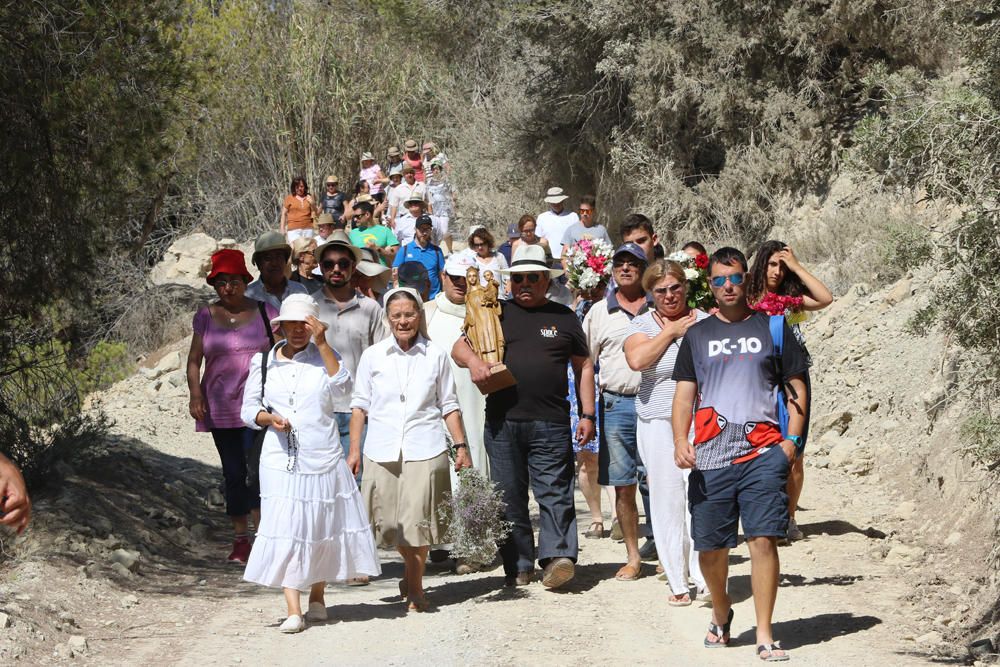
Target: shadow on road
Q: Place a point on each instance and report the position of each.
(813, 630)
(836, 527)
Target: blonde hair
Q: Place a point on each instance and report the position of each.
(659, 270)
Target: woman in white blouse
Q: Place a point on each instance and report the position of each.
(314, 527)
(405, 387)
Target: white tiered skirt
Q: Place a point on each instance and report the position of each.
(313, 527)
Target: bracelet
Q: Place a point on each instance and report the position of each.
(592, 418)
(458, 445)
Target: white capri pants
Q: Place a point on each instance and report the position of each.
(668, 505)
(293, 234)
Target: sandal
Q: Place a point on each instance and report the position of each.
(595, 533)
(719, 632)
(627, 573)
(766, 652)
(679, 600)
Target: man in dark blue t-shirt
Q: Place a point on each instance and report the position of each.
(527, 432)
(727, 377)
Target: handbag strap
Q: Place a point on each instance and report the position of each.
(267, 323)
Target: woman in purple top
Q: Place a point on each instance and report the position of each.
(227, 333)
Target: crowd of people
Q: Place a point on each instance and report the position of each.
(343, 375)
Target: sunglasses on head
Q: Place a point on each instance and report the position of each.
(720, 281)
(532, 278)
(329, 264)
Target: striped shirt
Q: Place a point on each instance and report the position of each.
(656, 389)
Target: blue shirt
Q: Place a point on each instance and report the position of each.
(431, 257)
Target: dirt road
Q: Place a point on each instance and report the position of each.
(835, 607)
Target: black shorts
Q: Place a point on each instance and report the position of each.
(752, 493)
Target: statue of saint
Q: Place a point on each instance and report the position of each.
(482, 326)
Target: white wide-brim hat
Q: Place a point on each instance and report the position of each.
(530, 259)
(296, 308)
(555, 196)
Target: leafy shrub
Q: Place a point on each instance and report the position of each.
(981, 438)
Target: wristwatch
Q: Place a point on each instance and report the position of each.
(592, 418)
(459, 444)
(797, 441)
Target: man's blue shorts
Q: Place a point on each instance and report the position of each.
(752, 493)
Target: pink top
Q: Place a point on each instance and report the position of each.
(227, 363)
(371, 174)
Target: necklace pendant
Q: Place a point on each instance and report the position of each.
(291, 400)
(402, 398)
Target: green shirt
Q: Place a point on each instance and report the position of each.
(382, 235)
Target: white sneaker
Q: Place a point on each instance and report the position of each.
(293, 624)
(317, 612)
(794, 532)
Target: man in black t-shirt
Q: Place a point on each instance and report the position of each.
(727, 374)
(527, 432)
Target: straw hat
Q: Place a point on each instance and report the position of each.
(269, 241)
(530, 259)
(338, 239)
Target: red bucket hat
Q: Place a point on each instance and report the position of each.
(231, 261)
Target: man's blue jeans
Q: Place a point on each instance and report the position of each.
(538, 453)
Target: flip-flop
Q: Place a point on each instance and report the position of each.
(679, 600)
(627, 573)
(766, 653)
(595, 533)
(720, 632)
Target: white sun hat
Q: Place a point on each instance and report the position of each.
(529, 259)
(458, 264)
(296, 308)
(555, 196)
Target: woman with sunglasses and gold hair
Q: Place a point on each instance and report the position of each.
(651, 345)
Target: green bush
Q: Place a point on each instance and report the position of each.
(980, 435)
(901, 247)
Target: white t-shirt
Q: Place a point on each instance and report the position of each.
(401, 193)
(655, 399)
(552, 227)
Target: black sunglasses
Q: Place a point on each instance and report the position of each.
(532, 278)
(330, 264)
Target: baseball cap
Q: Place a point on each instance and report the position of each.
(458, 263)
(513, 232)
(631, 249)
(424, 220)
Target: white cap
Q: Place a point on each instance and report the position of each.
(458, 263)
(296, 308)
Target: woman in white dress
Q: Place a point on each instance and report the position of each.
(405, 388)
(314, 527)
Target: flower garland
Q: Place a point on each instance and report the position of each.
(696, 271)
(589, 263)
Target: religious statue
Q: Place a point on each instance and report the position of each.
(482, 327)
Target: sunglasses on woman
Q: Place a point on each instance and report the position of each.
(532, 278)
(720, 281)
(669, 289)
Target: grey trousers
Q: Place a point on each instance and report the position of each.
(538, 453)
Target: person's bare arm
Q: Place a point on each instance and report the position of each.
(15, 504)
(641, 351)
(356, 427)
(796, 414)
(453, 420)
(196, 405)
(680, 419)
(583, 369)
(318, 329)
(466, 357)
(283, 224)
(819, 295)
